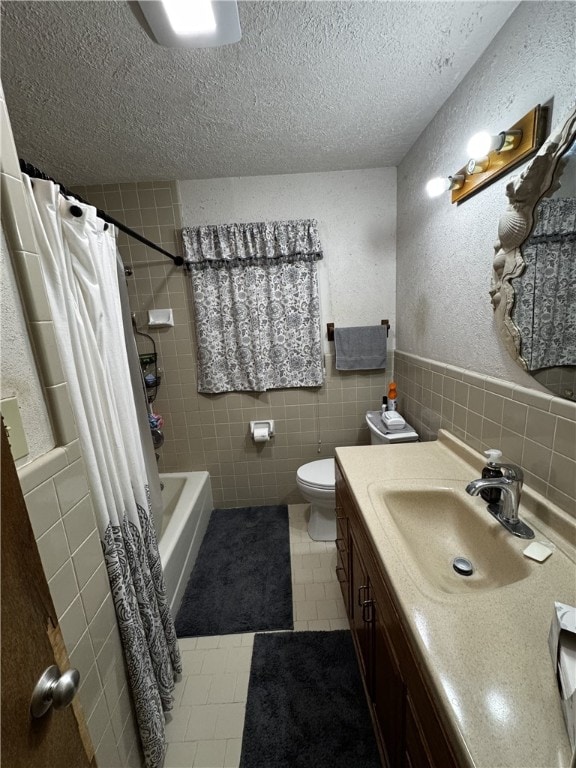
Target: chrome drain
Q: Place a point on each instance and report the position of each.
(463, 566)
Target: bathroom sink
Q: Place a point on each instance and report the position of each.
(433, 523)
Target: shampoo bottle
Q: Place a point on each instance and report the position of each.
(492, 469)
(392, 396)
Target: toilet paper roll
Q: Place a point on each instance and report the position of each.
(261, 434)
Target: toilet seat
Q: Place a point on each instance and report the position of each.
(318, 474)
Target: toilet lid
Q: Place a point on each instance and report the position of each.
(321, 474)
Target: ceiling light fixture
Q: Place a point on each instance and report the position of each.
(191, 23)
(190, 18)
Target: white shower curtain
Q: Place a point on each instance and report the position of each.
(78, 255)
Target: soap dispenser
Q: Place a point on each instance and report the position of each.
(492, 469)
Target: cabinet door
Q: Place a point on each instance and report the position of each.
(343, 566)
(361, 613)
(343, 557)
(388, 695)
(416, 752)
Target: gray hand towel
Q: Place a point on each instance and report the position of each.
(361, 348)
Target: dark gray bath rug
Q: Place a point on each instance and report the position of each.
(306, 706)
(241, 581)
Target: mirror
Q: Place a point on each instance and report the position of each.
(534, 279)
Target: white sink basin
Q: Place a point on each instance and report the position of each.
(433, 522)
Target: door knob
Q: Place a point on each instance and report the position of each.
(54, 690)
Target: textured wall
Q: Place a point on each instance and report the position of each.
(453, 371)
(19, 377)
(445, 251)
(211, 431)
(356, 213)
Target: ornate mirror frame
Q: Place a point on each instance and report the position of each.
(524, 192)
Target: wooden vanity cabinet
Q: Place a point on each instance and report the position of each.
(361, 613)
(407, 726)
(343, 557)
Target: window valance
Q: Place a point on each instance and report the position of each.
(228, 245)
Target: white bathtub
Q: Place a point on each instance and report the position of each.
(187, 507)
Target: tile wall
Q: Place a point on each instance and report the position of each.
(211, 432)
(56, 494)
(60, 509)
(535, 430)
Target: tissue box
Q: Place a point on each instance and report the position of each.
(562, 644)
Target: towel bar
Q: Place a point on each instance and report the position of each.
(330, 329)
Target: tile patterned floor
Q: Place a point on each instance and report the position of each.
(205, 727)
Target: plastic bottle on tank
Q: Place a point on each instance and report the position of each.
(392, 396)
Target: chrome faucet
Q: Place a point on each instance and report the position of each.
(506, 510)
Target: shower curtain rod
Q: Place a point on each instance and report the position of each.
(35, 173)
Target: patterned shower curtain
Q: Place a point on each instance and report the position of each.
(79, 263)
(256, 305)
(545, 293)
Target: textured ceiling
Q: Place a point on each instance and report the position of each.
(312, 86)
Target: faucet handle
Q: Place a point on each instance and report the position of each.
(512, 472)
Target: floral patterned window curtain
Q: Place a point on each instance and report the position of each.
(545, 305)
(256, 303)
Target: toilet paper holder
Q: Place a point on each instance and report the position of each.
(262, 430)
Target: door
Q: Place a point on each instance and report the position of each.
(31, 642)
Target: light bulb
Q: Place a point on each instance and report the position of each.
(481, 144)
(190, 17)
(436, 187)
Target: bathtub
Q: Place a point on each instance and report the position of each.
(187, 506)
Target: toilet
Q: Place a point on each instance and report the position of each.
(316, 480)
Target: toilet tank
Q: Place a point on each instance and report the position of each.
(379, 435)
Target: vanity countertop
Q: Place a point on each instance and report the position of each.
(485, 654)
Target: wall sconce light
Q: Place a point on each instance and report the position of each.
(493, 156)
(189, 23)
